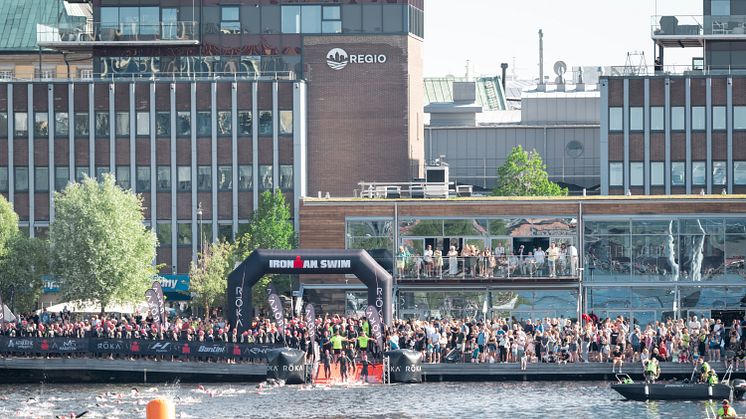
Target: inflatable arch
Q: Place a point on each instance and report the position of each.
(239, 311)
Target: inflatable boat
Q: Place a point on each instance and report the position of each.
(680, 391)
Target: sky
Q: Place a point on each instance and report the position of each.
(579, 32)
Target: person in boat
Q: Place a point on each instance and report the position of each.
(651, 370)
(727, 411)
(712, 378)
(704, 370)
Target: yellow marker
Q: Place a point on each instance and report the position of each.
(160, 409)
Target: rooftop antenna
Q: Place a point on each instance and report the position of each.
(635, 64)
(541, 86)
(512, 72)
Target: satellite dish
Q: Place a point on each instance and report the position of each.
(560, 68)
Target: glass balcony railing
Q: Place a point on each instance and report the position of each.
(674, 70)
(495, 267)
(109, 32)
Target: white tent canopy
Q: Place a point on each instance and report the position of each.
(9, 317)
(91, 307)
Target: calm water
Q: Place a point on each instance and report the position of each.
(436, 400)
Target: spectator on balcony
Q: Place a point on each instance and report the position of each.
(572, 254)
(438, 263)
(452, 261)
(562, 265)
(540, 257)
(500, 249)
(402, 258)
(490, 263)
(427, 260)
(552, 256)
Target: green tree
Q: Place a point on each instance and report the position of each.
(8, 225)
(102, 250)
(21, 271)
(524, 174)
(270, 228)
(208, 274)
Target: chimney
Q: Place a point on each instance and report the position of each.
(504, 67)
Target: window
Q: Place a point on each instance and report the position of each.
(229, 20)
(21, 179)
(286, 122)
(677, 118)
(265, 176)
(170, 27)
(224, 123)
(699, 173)
(616, 174)
(270, 19)
(286, 177)
(332, 20)
(81, 124)
(244, 123)
(718, 118)
(393, 18)
(183, 123)
(123, 177)
(656, 119)
(204, 178)
(739, 117)
(372, 18)
(163, 231)
(310, 19)
(698, 118)
(184, 234)
(720, 8)
(81, 173)
(290, 19)
(3, 124)
(41, 179)
(225, 178)
(41, 124)
(122, 124)
(719, 173)
(102, 124)
(61, 177)
(3, 179)
(352, 18)
(739, 173)
(678, 173)
(20, 125)
(163, 124)
(100, 171)
(163, 178)
(204, 231)
(143, 179)
(204, 124)
(657, 170)
(225, 232)
(61, 124)
(184, 178)
(635, 119)
(143, 123)
(616, 119)
(245, 176)
(636, 174)
(265, 123)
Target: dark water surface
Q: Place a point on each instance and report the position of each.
(432, 400)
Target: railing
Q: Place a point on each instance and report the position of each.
(393, 190)
(679, 25)
(89, 32)
(481, 267)
(97, 77)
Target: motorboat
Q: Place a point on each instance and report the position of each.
(727, 389)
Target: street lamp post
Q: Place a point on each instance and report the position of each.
(199, 215)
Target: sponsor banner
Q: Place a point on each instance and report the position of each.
(311, 321)
(175, 283)
(154, 308)
(161, 302)
(376, 326)
(131, 347)
(275, 304)
(43, 345)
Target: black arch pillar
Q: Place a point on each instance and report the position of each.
(239, 311)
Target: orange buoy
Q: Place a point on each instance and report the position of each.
(160, 409)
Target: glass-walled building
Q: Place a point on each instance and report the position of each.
(646, 259)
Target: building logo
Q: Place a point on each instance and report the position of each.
(337, 59)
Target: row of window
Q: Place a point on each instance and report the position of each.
(184, 234)
(678, 174)
(656, 120)
(184, 181)
(81, 123)
(197, 66)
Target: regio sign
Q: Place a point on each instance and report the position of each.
(337, 59)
